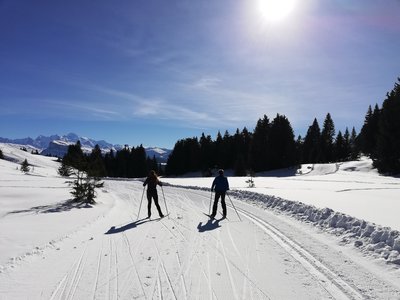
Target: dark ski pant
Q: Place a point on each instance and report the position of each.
(217, 196)
(153, 194)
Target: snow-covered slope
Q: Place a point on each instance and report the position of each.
(52, 249)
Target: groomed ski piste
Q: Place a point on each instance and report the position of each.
(323, 232)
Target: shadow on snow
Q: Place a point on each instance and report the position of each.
(132, 225)
(210, 225)
(53, 208)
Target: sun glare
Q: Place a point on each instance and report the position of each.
(276, 10)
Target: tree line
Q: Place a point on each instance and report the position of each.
(125, 163)
(272, 144)
(380, 135)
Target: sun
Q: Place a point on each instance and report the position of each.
(276, 10)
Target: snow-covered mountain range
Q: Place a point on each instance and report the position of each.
(56, 145)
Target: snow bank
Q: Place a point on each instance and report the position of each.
(381, 242)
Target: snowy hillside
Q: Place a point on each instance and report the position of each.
(278, 249)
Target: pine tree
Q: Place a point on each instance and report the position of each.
(25, 166)
(193, 152)
(207, 160)
(339, 148)
(299, 149)
(152, 164)
(64, 170)
(84, 187)
(327, 136)
(227, 151)
(346, 145)
(388, 137)
(1, 154)
(240, 146)
(109, 163)
(180, 160)
(75, 157)
(281, 144)
(219, 159)
(96, 166)
(259, 145)
(247, 138)
(174, 163)
(354, 150)
(138, 163)
(122, 162)
(311, 147)
(369, 132)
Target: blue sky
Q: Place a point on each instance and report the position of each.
(151, 72)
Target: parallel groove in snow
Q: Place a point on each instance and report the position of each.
(329, 280)
(227, 260)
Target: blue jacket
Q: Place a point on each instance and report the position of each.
(220, 183)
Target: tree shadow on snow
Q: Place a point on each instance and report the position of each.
(132, 225)
(210, 225)
(53, 208)
(285, 172)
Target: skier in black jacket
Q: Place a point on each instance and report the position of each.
(151, 182)
(221, 185)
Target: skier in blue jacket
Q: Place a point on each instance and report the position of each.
(220, 185)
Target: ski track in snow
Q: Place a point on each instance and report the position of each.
(328, 279)
(170, 259)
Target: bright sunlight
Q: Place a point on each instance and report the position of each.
(276, 10)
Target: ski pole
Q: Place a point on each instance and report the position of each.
(141, 200)
(209, 209)
(166, 208)
(234, 207)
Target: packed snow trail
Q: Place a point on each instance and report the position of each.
(188, 256)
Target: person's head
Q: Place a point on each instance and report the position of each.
(221, 172)
(153, 173)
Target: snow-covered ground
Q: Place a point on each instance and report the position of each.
(353, 188)
(281, 249)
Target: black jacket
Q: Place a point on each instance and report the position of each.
(151, 183)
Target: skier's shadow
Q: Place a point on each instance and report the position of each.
(210, 225)
(132, 225)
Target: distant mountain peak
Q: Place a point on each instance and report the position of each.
(56, 145)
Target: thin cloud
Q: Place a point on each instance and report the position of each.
(159, 108)
(206, 83)
(232, 105)
(92, 109)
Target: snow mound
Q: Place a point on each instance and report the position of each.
(324, 169)
(363, 165)
(382, 241)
